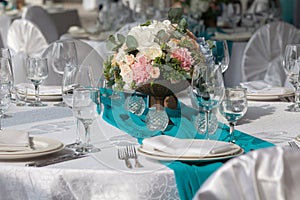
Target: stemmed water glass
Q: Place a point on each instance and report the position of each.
(85, 104)
(4, 100)
(233, 107)
(207, 91)
(63, 54)
(37, 71)
(291, 63)
(75, 77)
(221, 54)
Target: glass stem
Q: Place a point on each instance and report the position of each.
(231, 132)
(1, 122)
(297, 96)
(207, 114)
(37, 93)
(87, 138)
(77, 141)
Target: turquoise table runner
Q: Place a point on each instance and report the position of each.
(189, 176)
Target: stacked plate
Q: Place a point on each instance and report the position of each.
(40, 147)
(272, 93)
(168, 148)
(47, 93)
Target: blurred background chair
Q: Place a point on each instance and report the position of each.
(5, 22)
(263, 54)
(24, 39)
(41, 18)
(269, 174)
(86, 55)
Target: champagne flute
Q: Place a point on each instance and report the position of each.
(291, 63)
(233, 107)
(63, 54)
(85, 104)
(37, 71)
(207, 91)
(221, 54)
(4, 100)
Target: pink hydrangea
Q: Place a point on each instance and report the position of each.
(141, 70)
(184, 56)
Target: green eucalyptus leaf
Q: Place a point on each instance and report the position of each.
(110, 45)
(121, 38)
(131, 42)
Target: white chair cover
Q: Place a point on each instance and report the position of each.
(23, 36)
(5, 22)
(266, 174)
(41, 18)
(86, 55)
(263, 54)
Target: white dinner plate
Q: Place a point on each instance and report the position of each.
(47, 93)
(155, 148)
(154, 155)
(271, 93)
(40, 146)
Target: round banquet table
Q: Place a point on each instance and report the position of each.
(102, 175)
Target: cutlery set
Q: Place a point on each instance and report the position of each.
(129, 152)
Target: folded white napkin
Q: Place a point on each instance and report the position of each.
(256, 86)
(14, 140)
(167, 145)
(44, 89)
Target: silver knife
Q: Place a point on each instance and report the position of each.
(58, 159)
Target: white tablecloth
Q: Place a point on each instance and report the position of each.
(101, 175)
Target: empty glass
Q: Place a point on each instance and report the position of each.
(63, 54)
(4, 100)
(233, 107)
(37, 71)
(291, 65)
(85, 104)
(207, 91)
(221, 54)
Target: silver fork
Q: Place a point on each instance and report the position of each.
(132, 154)
(123, 155)
(293, 145)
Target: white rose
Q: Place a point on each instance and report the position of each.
(126, 74)
(142, 34)
(150, 50)
(155, 73)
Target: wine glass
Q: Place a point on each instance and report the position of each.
(291, 63)
(207, 91)
(75, 76)
(63, 54)
(4, 100)
(221, 54)
(37, 71)
(85, 104)
(5, 71)
(233, 107)
(234, 14)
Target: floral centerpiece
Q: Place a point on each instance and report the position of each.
(155, 58)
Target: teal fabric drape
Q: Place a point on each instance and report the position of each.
(189, 175)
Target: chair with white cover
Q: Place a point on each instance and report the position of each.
(263, 54)
(86, 55)
(24, 39)
(42, 19)
(5, 22)
(269, 174)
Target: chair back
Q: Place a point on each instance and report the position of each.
(5, 22)
(42, 19)
(263, 55)
(24, 36)
(271, 173)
